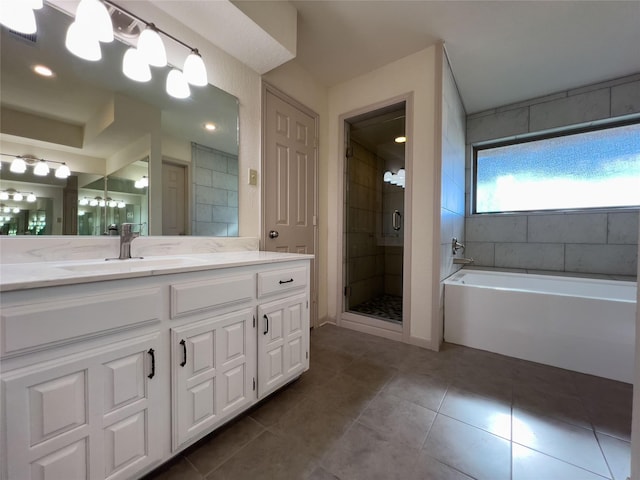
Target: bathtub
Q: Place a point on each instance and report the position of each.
(580, 324)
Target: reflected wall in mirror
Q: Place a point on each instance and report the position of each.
(107, 129)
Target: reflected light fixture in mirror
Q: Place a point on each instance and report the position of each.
(151, 48)
(19, 15)
(134, 66)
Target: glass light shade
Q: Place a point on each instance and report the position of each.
(17, 197)
(401, 173)
(102, 203)
(134, 66)
(121, 205)
(18, 16)
(151, 48)
(81, 42)
(6, 209)
(112, 203)
(144, 181)
(387, 176)
(62, 171)
(400, 139)
(4, 195)
(194, 70)
(41, 169)
(84, 202)
(80, 213)
(31, 198)
(16, 210)
(394, 179)
(18, 165)
(93, 202)
(94, 16)
(177, 85)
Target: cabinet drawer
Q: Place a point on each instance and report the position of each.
(275, 281)
(192, 297)
(69, 319)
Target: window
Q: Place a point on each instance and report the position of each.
(593, 169)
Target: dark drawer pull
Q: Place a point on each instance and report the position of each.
(153, 363)
(184, 353)
(266, 325)
(286, 281)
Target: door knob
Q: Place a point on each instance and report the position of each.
(273, 234)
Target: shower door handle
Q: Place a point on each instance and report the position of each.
(396, 220)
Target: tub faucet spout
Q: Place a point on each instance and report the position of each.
(462, 261)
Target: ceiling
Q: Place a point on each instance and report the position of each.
(501, 52)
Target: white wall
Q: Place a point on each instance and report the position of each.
(413, 74)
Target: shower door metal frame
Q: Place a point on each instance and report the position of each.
(343, 317)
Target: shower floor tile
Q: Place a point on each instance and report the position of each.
(388, 307)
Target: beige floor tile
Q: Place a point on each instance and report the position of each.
(618, 456)
(425, 390)
(487, 413)
(470, 450)
(531, 465)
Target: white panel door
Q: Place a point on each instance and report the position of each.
(290, 178)
(86, 415)
(283, 342)
(213, 372)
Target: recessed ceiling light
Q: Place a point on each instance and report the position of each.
(210, 126)
(400, 139)
(43, 70)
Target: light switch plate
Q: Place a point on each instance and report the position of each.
(253, 177)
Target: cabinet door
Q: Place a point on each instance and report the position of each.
(213, 373)
(283, 342)
(86, 415)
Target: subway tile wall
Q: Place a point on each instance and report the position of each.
(596, 242)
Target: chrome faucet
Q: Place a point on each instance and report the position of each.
(126, 237)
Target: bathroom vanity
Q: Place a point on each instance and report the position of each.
(111, 368)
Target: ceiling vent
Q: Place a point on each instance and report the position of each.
(27, 37)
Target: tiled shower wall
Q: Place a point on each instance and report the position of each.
(453, 170)
(366, 258)
(215, 188)
(592, 242)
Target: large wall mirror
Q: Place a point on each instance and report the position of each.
(108, 129)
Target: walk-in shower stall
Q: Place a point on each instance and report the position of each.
(374, 214)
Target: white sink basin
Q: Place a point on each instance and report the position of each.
(130, 265)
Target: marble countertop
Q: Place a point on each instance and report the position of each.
(23, 276)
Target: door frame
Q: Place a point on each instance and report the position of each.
(267, 87)
(346, 319)
(188, 189)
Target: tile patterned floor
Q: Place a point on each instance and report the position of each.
(373, 409)
(384, 306)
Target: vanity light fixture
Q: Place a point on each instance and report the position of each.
(31, 198)
(19, 16)
(398, 178)
(16, 210)
(151, 48)
(177, 85)
(400, 139)
(18, 165)
(134, 66)
(194, 69)
(121, 204)
(18, 197)
(63, 171)
(83, 201)
(93, 24)
(4, 195)
(40, 165)
(41, 169)
(142, 183)
(94, 202)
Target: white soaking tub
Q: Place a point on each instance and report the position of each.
(580, 324)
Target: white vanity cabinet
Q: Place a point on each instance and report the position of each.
(213, 372)
(283, 336)
(108, 379)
